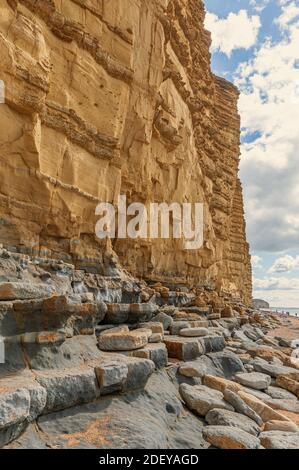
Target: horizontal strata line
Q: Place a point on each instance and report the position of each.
(66, 121)
(43, 176)
(69, 30)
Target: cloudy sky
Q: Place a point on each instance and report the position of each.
(256, 45)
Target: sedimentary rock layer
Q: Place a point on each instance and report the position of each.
(105, 98)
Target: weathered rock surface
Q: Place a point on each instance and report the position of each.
(220, 417)
(255, 380)
(280, 440)
(202, 399)
(225, 437)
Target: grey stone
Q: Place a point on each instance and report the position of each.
(117, 313)
(111, 376)
(220, 417)
(193, 369)
(68, 387)
(226, 363)
(142, 312)
(274, 370)
(156, 352)
(177, 326)
(151, 419)
(165, 319)
(123, 340)
(256, 380)
(224, 437)
(181, 348)
(212, 343)
(282, 404)
(194, 332)
(202, 399)
(14, 407)
(241, 407)
(280, 393)
(280, 440)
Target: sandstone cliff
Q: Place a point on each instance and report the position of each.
(109, 97)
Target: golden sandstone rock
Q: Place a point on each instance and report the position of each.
(106, 98)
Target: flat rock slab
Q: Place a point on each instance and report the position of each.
(262, 409)
(202, 399)
(156, 352)
(220, 383)
(274, 370)
(119, 372)
(68, 387)
(111, 340)
(227, 362)
(220, 417)
(241, 406)
(181, 348)
(194, 332)
(288, 384)
(165, 319)
(23, 290)
(224, 437)
(280, 393)
(177, 326)
(284, 426)
(280, 440)
(255, 380)
(212, 343)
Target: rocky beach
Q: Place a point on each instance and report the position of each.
(161, 368)
(128, 342)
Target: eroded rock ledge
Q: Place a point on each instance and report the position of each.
(107, 361)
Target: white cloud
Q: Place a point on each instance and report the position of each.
(285, 264)
(269, 108)
(256, 261)
(237, 31)
(290, 12)
(276, 283)
(259, 5)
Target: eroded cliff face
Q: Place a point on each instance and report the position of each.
(109, 97)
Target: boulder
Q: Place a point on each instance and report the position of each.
(193, 369)
(227, 363)
(156, 352)
(177, 326)
(280, 393)
(181, 348)
(254, 380)
(224, 437)
(284, 426)
(202, 399)
(274, 370)
(227, 312)
(241, 406)
(143, 312)
(194, 332)
(165, 319)
(219, 417)
(263, 410)
(117, 313)
(280, 440)
(289, 384)
(212, 343)
(220, 384)
(111, 340)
